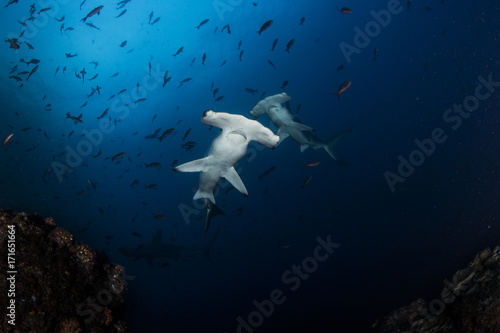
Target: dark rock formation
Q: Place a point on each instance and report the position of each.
(469, 303)
(55, 283)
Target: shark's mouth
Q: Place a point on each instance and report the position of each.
(239, 132)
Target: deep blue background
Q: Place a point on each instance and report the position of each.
(395, 247)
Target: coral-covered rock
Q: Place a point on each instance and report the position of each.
(469, 303)
(54, 284)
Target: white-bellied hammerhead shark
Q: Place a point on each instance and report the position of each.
(157, 249)
(287, 126)
(226, 150)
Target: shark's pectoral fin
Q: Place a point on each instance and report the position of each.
(303, 147)
(194, 166)
(282, 134)
(300, 126)
(232, 176)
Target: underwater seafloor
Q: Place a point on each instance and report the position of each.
(384, 182)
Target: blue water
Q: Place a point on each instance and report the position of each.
(393, 244)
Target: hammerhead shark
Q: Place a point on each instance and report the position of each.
(289, 125)
(226, 150)
(157, 249)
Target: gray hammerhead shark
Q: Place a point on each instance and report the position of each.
(226, 150)
(289, 125)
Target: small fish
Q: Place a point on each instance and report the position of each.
(202, 23)
(140, 100)
(188, 145)
(32, 72)
(166, 79)
(219, 98)
(92, 184)
(151, 187)
(82, 4)
(159, 217)
(250, 90)
(135, 182)
(29, 46)
(6, 140)
(345, 10)
(13, 69)
(178, 51)
(166, 133)
(69, 55)
(83, 105)
(122, 91)
(94, 11)
(302, 20)
(123, 43)
(306, 181)
(69, 29)
(92, 26)
(343, 87)
(13, 43)
(223, 63)
(60, 20)
(274, 44)
(265, 26)
(103, 114)
(241, 54)
(192, 61)
(216, 90)
(118, 156)
(98, 154)
(375, 53)
(183, 81)
(289, 45)
(150, 17)
(339, 68)
(203, 58)
(239, 45)
(153, 165)
(155, 21)
(186, 134)
(285, 83)
(122, 13)
(267, 172)
(93, 78)
(43, 10)
(77, 120)
(311, 164)
(270, 63)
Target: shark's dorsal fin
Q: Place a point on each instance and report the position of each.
(232, 176)
(157, 238)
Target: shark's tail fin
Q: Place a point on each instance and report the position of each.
(212, 211)
(208, 247)
(332, 142)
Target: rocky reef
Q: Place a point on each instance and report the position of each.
(51, 283)
(469, 303)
